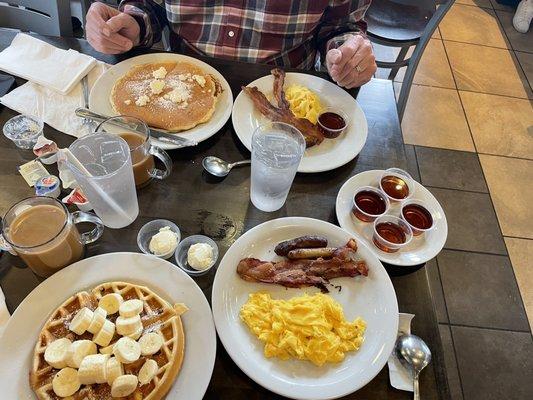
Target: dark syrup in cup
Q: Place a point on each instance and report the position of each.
(369, 204)
(418, 217)
(395, 187)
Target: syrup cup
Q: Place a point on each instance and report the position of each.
(363, 215)
(385, 245)
(417, 230)
(331, 133)
(403, 175)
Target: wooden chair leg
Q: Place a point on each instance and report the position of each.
(399, 59)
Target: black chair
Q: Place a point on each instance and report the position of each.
(404, 23)
(47, 17)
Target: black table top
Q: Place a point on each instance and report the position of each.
(221, 209)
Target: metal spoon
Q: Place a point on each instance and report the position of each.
(218, 167)
(415, 352)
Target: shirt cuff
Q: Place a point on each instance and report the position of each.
(338, 40)
(143, 19)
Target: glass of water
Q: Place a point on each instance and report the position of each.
(102, 167)
(277, 149)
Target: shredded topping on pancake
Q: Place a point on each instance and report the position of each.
(142, 100)
(159, 73)
(157, 86)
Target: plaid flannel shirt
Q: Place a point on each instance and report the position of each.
(288, 33)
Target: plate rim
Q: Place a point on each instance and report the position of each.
(134, 280)
(179, 57)
(294, 220)
(418, 186)
(306, 170)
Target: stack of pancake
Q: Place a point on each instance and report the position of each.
(133, 95)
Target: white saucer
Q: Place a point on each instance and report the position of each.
(421, 249)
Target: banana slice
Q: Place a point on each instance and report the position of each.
(78, 350)
(137, 334)
(114, 369)
(128, 325)
(106, 333)
(66, 382)
(107, 349)
(98, 320)
(148, 371)
(130, 308)
(127, 350)
(81, 321)
(93, 369)
(150, 343)
(124, 386)
(56, 353)
(111, 302)
(180, 308)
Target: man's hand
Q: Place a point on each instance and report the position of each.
(110, 31)
(353, 63)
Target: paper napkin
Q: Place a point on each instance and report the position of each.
(4, 313)
(55, 109)
(44, 64)
(400, 377)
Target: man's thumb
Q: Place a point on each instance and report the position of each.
(333, 56)
(116, 23)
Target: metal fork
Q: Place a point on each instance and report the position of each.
(85, 87)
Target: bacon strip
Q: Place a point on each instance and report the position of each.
(279, 94)
(301, 273)
(310, 131)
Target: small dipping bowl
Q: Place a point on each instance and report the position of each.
(332, 122)
(391, 233)
(23, 130)
(368, 203)
(397, 184)
(183, 249)
(418, 216)
(149, 230)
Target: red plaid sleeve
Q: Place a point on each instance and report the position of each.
(150, 16)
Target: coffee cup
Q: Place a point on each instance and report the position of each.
(137, 134)
(42, 232)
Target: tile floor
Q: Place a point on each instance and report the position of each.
(468, 125)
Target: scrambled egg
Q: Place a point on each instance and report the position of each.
(303, 102)
(306, 327)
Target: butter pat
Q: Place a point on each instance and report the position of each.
(163, 242)
(199, 79)
(159, 73)
(142, 100)
(179, 94)
(157, 86)
(200, 256)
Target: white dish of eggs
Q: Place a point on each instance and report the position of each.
(331, 153)
(372, 298)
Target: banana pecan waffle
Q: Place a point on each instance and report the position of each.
(119, 340)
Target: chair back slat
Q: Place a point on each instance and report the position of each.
(49, 17)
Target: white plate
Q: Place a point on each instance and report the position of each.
(372, 298)
(101, 91)
(421, 249)
(331, 153)
(170, 282)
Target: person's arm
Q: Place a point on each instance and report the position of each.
(343, 44)
(150, 16)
